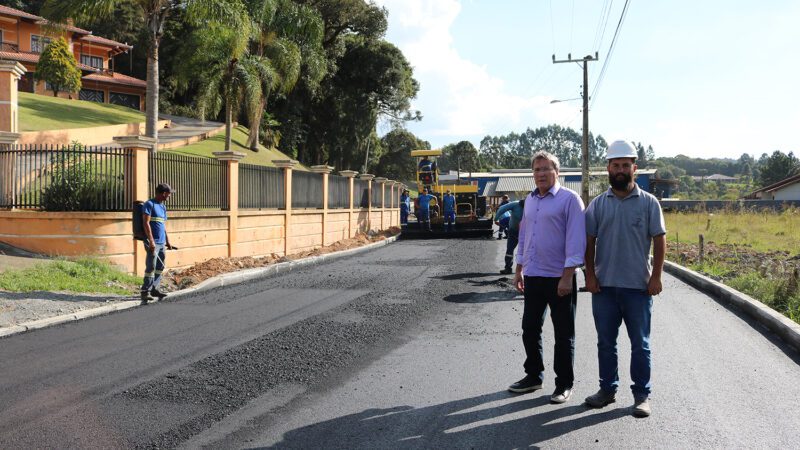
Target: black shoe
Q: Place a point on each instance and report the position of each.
(499, 238)
(528, 384)
(561, 395)
(506, 271)
(146, 297)
(156, 293)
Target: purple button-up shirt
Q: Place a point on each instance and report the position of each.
(552, 234)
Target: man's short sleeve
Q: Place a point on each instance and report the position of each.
(148, 207)
(657, 226)
(591, 220)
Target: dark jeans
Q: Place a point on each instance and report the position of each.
(424, 218)
(541, 292)
(513, 240)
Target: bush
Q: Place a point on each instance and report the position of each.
(75, 186)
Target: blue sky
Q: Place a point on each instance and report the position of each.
(705, 79)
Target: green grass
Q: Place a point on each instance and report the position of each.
(760, 230)
(39, 112)
(263, 157)
(84, 275)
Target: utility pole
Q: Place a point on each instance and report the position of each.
(585, 143)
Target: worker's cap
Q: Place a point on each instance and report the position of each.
(164, 187)
(621, 149)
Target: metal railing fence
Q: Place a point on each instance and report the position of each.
(338, 192)
(199, 183)
(306, 190)
(360, 194)
(65, 178)
(261, 187)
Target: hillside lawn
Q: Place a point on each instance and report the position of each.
(263, 157)
(39, 113)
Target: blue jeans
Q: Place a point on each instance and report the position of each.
(449, 219)
(610, 307)
(153, 266)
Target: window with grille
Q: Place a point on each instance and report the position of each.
(38, 43)
(93, 61)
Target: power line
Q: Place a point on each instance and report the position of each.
(605, 14)
(610, 51)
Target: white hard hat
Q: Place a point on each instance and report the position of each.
(621, 149)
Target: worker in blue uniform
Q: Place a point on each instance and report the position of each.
(405, 207)
(424, 211)
(515, 211)
(449, 207)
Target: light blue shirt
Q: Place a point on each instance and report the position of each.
(425, 201)
(515, 210)
(449, 203)
(624, 228)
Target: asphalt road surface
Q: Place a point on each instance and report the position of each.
(408, 346)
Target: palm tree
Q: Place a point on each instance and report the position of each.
(287, 38)
(154, 15)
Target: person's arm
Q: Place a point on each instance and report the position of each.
(592, 284)
(519, 278)
(659, 249)
(575, 244)
(151, 243)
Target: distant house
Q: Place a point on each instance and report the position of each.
(786, 189)
(719, 178)
(24, 36)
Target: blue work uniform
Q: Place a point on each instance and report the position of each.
(155, 259)
(512, 212)
(405, 207)
(449, 206)
(424, 216)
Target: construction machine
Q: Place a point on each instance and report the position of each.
(471, 216)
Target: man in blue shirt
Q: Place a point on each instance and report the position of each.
(424, 211)
(405, 206)
(154, 221)
(514, 210)
(621, 225)
(449, 207)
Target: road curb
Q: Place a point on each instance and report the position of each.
(227, 279)
(779, 324)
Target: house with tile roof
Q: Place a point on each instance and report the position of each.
(23, 36)
(786, 189)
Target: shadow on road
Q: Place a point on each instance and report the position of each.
(482, 297)
(461, 276)
(455, 424)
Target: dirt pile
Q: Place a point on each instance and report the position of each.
(182, 278)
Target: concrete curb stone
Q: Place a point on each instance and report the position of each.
(227, 279)
(785, 328)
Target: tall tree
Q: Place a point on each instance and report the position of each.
(777, 167)
(288, 37)
(395, 161)
(154, 14)
(461, 156)
(58, 67)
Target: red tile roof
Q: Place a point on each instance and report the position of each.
(115, 78)
(8, 11)
(34, 58)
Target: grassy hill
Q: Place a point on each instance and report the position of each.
(39, 112)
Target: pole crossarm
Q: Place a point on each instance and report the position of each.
(585, 141)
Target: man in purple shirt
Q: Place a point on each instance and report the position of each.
(552, 242)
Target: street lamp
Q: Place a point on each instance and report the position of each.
(565, 100)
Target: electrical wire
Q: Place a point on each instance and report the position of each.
(600, 33)
(596, 88)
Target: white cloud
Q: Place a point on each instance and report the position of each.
(458, 98)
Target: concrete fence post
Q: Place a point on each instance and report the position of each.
(7, 163)
(382, 183)
(231, 162)
(324, 170)
(286, 165)
(350, 175)
(136, 170)
(10, 73)
(368, 178)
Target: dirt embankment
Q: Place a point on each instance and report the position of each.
(736, 259)
(183, 278)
